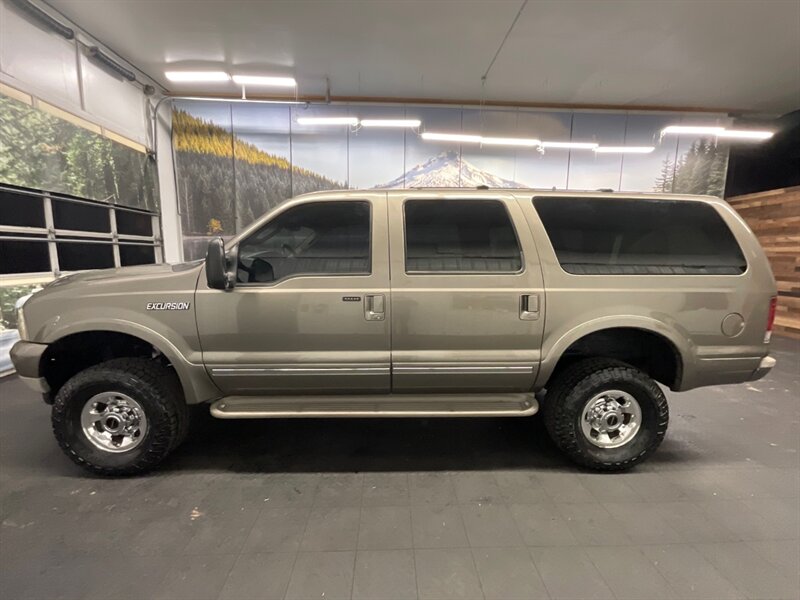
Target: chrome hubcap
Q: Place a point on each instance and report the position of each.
(611, 419)
(113, 422)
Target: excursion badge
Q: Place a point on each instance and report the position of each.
(168, 305)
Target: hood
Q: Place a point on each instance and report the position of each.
(105, 298)
(122, 273)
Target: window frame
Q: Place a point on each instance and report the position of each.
(234, 253)
(52, 236)
(568, 197)
(499, 201)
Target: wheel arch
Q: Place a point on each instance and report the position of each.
(105, 341)
(639, 341)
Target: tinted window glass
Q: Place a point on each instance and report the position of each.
(74, 256)
(130, 255)
(21, 210)
(639, 237)
(24, 257)
(323, 238)
(134, 223)
(80, 217)
(460, 235)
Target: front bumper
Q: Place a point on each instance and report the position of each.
(26, 358)
(37, 384)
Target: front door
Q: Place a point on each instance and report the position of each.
(310, 311)
(467, 302)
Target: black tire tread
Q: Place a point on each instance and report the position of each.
(167, 392)
(588, 372)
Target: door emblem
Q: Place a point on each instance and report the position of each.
(351, 298)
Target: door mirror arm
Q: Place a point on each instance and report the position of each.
(219, 274)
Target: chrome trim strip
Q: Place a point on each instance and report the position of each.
(466, 370)
(400, 370)
(718, 358)
(238, 371)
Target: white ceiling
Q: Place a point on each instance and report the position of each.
(740, 55)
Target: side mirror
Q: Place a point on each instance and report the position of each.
(217, 274)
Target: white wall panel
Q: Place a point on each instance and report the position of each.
(57, 70)
(113, 99)
(37, 57)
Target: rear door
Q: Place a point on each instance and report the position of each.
(467, 295)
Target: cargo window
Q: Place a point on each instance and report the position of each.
(319, 238)
(618, 236)
(474, 236)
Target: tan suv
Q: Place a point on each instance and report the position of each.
(412, 303)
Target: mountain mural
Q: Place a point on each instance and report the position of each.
(448, 169)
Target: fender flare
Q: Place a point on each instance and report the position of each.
(197, 385)
(552, 351)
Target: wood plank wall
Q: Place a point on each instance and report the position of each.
(774, 217)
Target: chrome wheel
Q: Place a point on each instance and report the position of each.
(113, 422)
(611, 419)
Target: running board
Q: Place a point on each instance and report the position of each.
(388, 405)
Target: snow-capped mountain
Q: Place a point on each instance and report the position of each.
(446, 170)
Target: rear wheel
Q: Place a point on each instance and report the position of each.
(120, 417)
(605, 414)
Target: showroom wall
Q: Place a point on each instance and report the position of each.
(774, 216)
(234, 161)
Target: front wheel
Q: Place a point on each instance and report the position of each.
(120, 417)
(605, 414)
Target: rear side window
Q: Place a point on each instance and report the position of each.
(616, 236)
(460, 236)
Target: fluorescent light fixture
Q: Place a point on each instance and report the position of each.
(720, 132)
(264, 80)
(450, 137)
(197, 76)
(745, 134)
(327, 120)
(571, 145)
(498, 141)
(468, 138)
(624, 149)
(693, 129)
(391, 122)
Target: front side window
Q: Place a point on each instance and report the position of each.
(618, 236)
(319, 238)
(474, 236)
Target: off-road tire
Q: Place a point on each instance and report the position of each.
(571, 390)
(154, 386)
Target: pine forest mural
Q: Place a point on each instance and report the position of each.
(41, 151)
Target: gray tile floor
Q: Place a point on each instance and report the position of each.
(468, 508)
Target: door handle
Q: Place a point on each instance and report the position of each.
(374, 307)
(529, 307)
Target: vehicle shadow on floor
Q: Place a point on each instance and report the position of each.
(364, 445)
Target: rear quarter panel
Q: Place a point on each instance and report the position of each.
(688, 310)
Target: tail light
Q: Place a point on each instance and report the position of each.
(773, 304)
